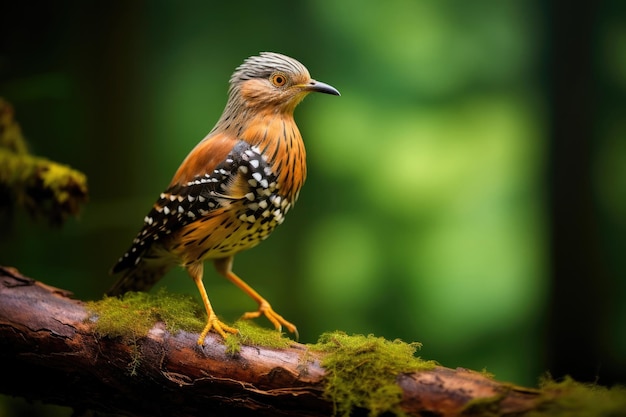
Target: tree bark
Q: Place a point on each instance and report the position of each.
(54, 356)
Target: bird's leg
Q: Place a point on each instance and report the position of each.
(224, 267)
(196, 270)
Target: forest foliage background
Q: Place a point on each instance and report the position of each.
(430, 209)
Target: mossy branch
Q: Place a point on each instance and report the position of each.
(68, 352)
(46, 189)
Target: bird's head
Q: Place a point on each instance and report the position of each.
(275, 81)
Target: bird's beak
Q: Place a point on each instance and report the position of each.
(320, 87)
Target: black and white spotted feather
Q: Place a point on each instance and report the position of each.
(183, 204)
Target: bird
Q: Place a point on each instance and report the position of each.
(232, 190)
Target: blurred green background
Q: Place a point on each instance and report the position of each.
(467, 190)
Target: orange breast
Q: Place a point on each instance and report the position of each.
(255, 199)
(279, 139)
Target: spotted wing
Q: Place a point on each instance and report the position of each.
(237, 177)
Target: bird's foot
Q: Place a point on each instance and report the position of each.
(213, 323)
(277, 320)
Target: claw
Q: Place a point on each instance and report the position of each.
(218, 326)
(276, 319)
(224, 267)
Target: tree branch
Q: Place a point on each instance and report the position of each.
(56, 357)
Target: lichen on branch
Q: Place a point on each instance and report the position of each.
(362, 371)
(44, 188)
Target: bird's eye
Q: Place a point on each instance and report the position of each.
(278, 79)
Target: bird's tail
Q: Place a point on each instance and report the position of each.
(139, 277)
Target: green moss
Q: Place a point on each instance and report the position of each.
(361, 371)
(575, 399)
(46, 189)
(252, 335)
(484, 407)
(567, 398)
(11, 137)
(134, 314)
(484, 372)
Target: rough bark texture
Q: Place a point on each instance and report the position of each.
(55, 357)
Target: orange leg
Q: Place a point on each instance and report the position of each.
(224, 267)
(196, 270)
